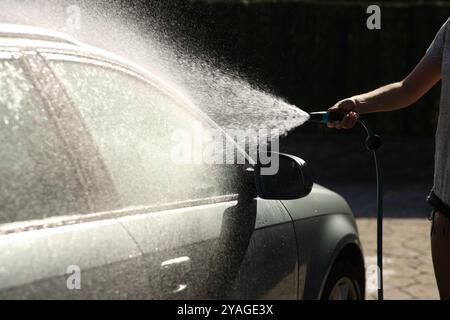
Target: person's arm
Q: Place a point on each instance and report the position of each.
(392, 96)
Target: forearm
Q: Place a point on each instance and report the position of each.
(401, 94)
(387, 98)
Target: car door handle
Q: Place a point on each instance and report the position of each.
(175, 277)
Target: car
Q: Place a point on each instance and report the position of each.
(92, 207)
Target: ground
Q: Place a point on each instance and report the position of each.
(408, 269)
(340, 162)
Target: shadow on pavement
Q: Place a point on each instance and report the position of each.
(340, 162)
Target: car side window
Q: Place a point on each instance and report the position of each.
(37, 179)
(132, 124)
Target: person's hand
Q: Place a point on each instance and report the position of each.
(349, 107)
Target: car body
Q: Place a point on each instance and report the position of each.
(92, 208)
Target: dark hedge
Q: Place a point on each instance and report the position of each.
(313, 53)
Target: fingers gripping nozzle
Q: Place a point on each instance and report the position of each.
(373, 141)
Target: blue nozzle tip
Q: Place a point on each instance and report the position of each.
(321, 117)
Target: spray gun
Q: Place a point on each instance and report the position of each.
(373, 143)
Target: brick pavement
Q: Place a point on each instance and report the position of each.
(408, 269)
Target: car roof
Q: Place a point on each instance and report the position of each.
(34, 33)
(23, 37)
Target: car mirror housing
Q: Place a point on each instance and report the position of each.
(291, 180)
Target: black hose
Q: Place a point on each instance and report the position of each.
(373, 143)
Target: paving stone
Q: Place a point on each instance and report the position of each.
(396, 294)
(408, 265)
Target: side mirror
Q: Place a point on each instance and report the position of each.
(290, 181)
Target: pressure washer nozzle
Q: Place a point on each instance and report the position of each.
(326, 116)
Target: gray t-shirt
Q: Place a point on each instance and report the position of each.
(440, 50)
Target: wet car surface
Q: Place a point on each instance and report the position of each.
(91, 205)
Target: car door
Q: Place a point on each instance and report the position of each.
(201, 237)
(52, 244)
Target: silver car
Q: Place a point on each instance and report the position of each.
(93, 207)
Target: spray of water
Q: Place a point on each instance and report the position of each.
(228, 99)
